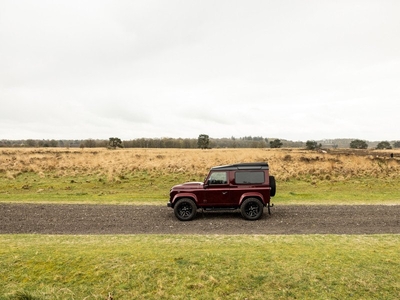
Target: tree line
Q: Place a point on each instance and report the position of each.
(165, 142)
(203, 141)
(356, 144)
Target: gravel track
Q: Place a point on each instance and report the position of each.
(151, 219)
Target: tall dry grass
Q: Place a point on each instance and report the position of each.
(285, 164)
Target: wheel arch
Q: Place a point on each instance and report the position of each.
(184, 195)
(252, 195)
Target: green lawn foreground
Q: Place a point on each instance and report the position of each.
(200, 267)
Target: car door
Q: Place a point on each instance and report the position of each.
(216, 190)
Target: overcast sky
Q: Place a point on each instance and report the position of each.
(297, 70)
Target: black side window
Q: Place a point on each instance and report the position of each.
(247, 177)
(218, 178)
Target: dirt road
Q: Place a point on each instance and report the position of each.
(148, 219)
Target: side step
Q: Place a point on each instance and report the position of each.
(219, 208)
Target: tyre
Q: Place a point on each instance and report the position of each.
(272, 184)
(185, 209)
(252, 209)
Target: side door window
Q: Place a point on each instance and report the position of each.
(218, 178)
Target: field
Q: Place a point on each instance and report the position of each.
(209, 266)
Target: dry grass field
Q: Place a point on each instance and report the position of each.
(285, 164)
(145, 175)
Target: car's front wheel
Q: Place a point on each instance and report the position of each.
(185, 209)
(252, 209)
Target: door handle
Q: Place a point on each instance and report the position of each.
(224, 193)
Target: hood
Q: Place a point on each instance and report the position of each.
(188, 185)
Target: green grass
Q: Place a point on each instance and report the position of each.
(200, 267)
(152, 188)
(136, 188)
(352, 191)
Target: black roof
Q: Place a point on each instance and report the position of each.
(244, 166)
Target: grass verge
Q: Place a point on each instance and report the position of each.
(353, 191)
(200, 267)
(143, 187)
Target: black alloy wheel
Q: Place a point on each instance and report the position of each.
(185, 209)
(252, 209)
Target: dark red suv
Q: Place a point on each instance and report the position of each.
(244, 186)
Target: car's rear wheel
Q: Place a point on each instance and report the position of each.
(252, 209)
(185, 209)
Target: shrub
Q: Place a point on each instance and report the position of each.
(358, 144)
(384, 145)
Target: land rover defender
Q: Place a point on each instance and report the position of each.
(244, 186)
